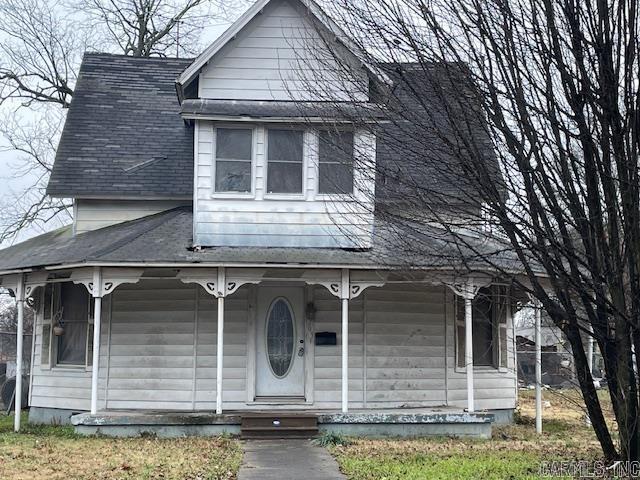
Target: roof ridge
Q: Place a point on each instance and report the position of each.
(133, 57)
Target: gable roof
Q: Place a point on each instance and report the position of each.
(123, 136)
(192, 71)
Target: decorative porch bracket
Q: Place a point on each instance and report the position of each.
(341, 284)
(100, 282)
(23, 287)
(218, 283)
(468, 289)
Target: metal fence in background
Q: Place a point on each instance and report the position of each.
(8, 367)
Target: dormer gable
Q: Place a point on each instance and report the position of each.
(281, 50)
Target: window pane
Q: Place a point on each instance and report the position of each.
(233, 176)
(75, 313)
(335, 178)
(46, 342)
(336, 147)
(285, 145)
(483, 329)
(234, 143)
(284, 177)
(280, 337)
(336, 162)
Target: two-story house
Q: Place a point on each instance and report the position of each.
(225, 256)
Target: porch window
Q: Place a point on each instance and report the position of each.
(285, 161)
(68, 307)
(233, 159)
(72, 344)
(489, 328)
(335, 162)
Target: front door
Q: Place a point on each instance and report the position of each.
(280, 343)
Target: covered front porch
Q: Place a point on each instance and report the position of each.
(192, 339)
(410, 422)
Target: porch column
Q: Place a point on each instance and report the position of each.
(97, 313)
(468, 289)
(220, 338)
(468, 350)
(344, 298)
(538, 336)
(19, 341)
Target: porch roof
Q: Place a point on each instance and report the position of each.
(166, 238)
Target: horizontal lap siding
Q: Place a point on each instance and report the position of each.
(152, 338)
(235, 351)
(148, 352)
(94, 214)
(405, 361)
(155, 349)
(66, 387)
(328, 359)
(269, 222)
(279, 56)
(493, 388)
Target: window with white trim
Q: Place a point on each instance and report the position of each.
(285, 165)
(67, 326)
(335, 162)
(233, 160)
(489, 310)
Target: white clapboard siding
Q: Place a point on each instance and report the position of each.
(94, 214)
(405, 332)
(493, 388)
(67, 387)
(159, 352)
(328, 359)
(279, 55)
(263, 221)
(235, 351)
(151, 346)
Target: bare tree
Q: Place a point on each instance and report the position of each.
(41, 45)
(513, 126)
(144, 28)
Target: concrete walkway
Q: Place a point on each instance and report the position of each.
(287, 460)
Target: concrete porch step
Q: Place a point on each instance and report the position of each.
(278, 426)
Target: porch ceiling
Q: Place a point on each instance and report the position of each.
(165, 239)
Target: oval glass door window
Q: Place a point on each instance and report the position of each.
(280, 337)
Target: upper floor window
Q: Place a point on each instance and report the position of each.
(234, 147)
(284, 161)
(335, 162)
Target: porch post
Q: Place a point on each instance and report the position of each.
(468, 350)
(538, 336)
(220, 337)
(344, 298)
(97, 313)
(19, 341)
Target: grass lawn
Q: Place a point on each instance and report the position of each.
(514, 452)
(57, 453)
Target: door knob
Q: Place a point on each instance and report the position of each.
(301, 351)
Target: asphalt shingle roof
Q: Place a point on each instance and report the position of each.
(167, 238)
(123, 134)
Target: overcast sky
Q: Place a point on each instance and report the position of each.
(11, 185)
